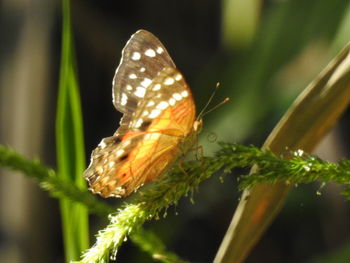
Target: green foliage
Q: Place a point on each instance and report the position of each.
(70, 145)
(152, 202)
(302, 168)
(49, 181)
(59, 188)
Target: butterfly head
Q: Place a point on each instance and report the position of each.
(198, 125)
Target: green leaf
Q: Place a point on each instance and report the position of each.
(70, 145)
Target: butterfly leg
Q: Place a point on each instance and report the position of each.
(179, 164)
(200, 155)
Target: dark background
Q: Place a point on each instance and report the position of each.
(263, 53)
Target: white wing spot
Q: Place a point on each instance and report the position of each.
(136, 56)
(128, 87)
(124, 99)
(119, 152)
(140, 92)
(162, 105)
(138, 123)
(150, 53)
(146, 82)
(150, 103)
(160, 50)
(102, 144)
(184, 93)
(157, 87)
(169, 81)
(111, 164)
(178, 77)
(172, 101)
(132, 76)
(142, 69)
(177, 96)
(145, 113)
(154, 114)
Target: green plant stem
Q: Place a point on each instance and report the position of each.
(150, 202)
(49, 181)
(58, 188)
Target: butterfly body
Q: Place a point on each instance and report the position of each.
(158, 126)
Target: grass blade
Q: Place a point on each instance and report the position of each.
(70, 145)
(310, 117)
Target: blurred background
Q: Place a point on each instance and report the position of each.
(263, 53)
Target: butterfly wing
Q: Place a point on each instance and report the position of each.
(159, 113)
(163, 121)
(143, 57)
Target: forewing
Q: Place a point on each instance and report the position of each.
(143, 57)
(168, 106)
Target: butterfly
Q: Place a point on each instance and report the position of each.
(159, 122)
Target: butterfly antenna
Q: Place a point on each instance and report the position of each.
(203, 112)
(216, 106)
